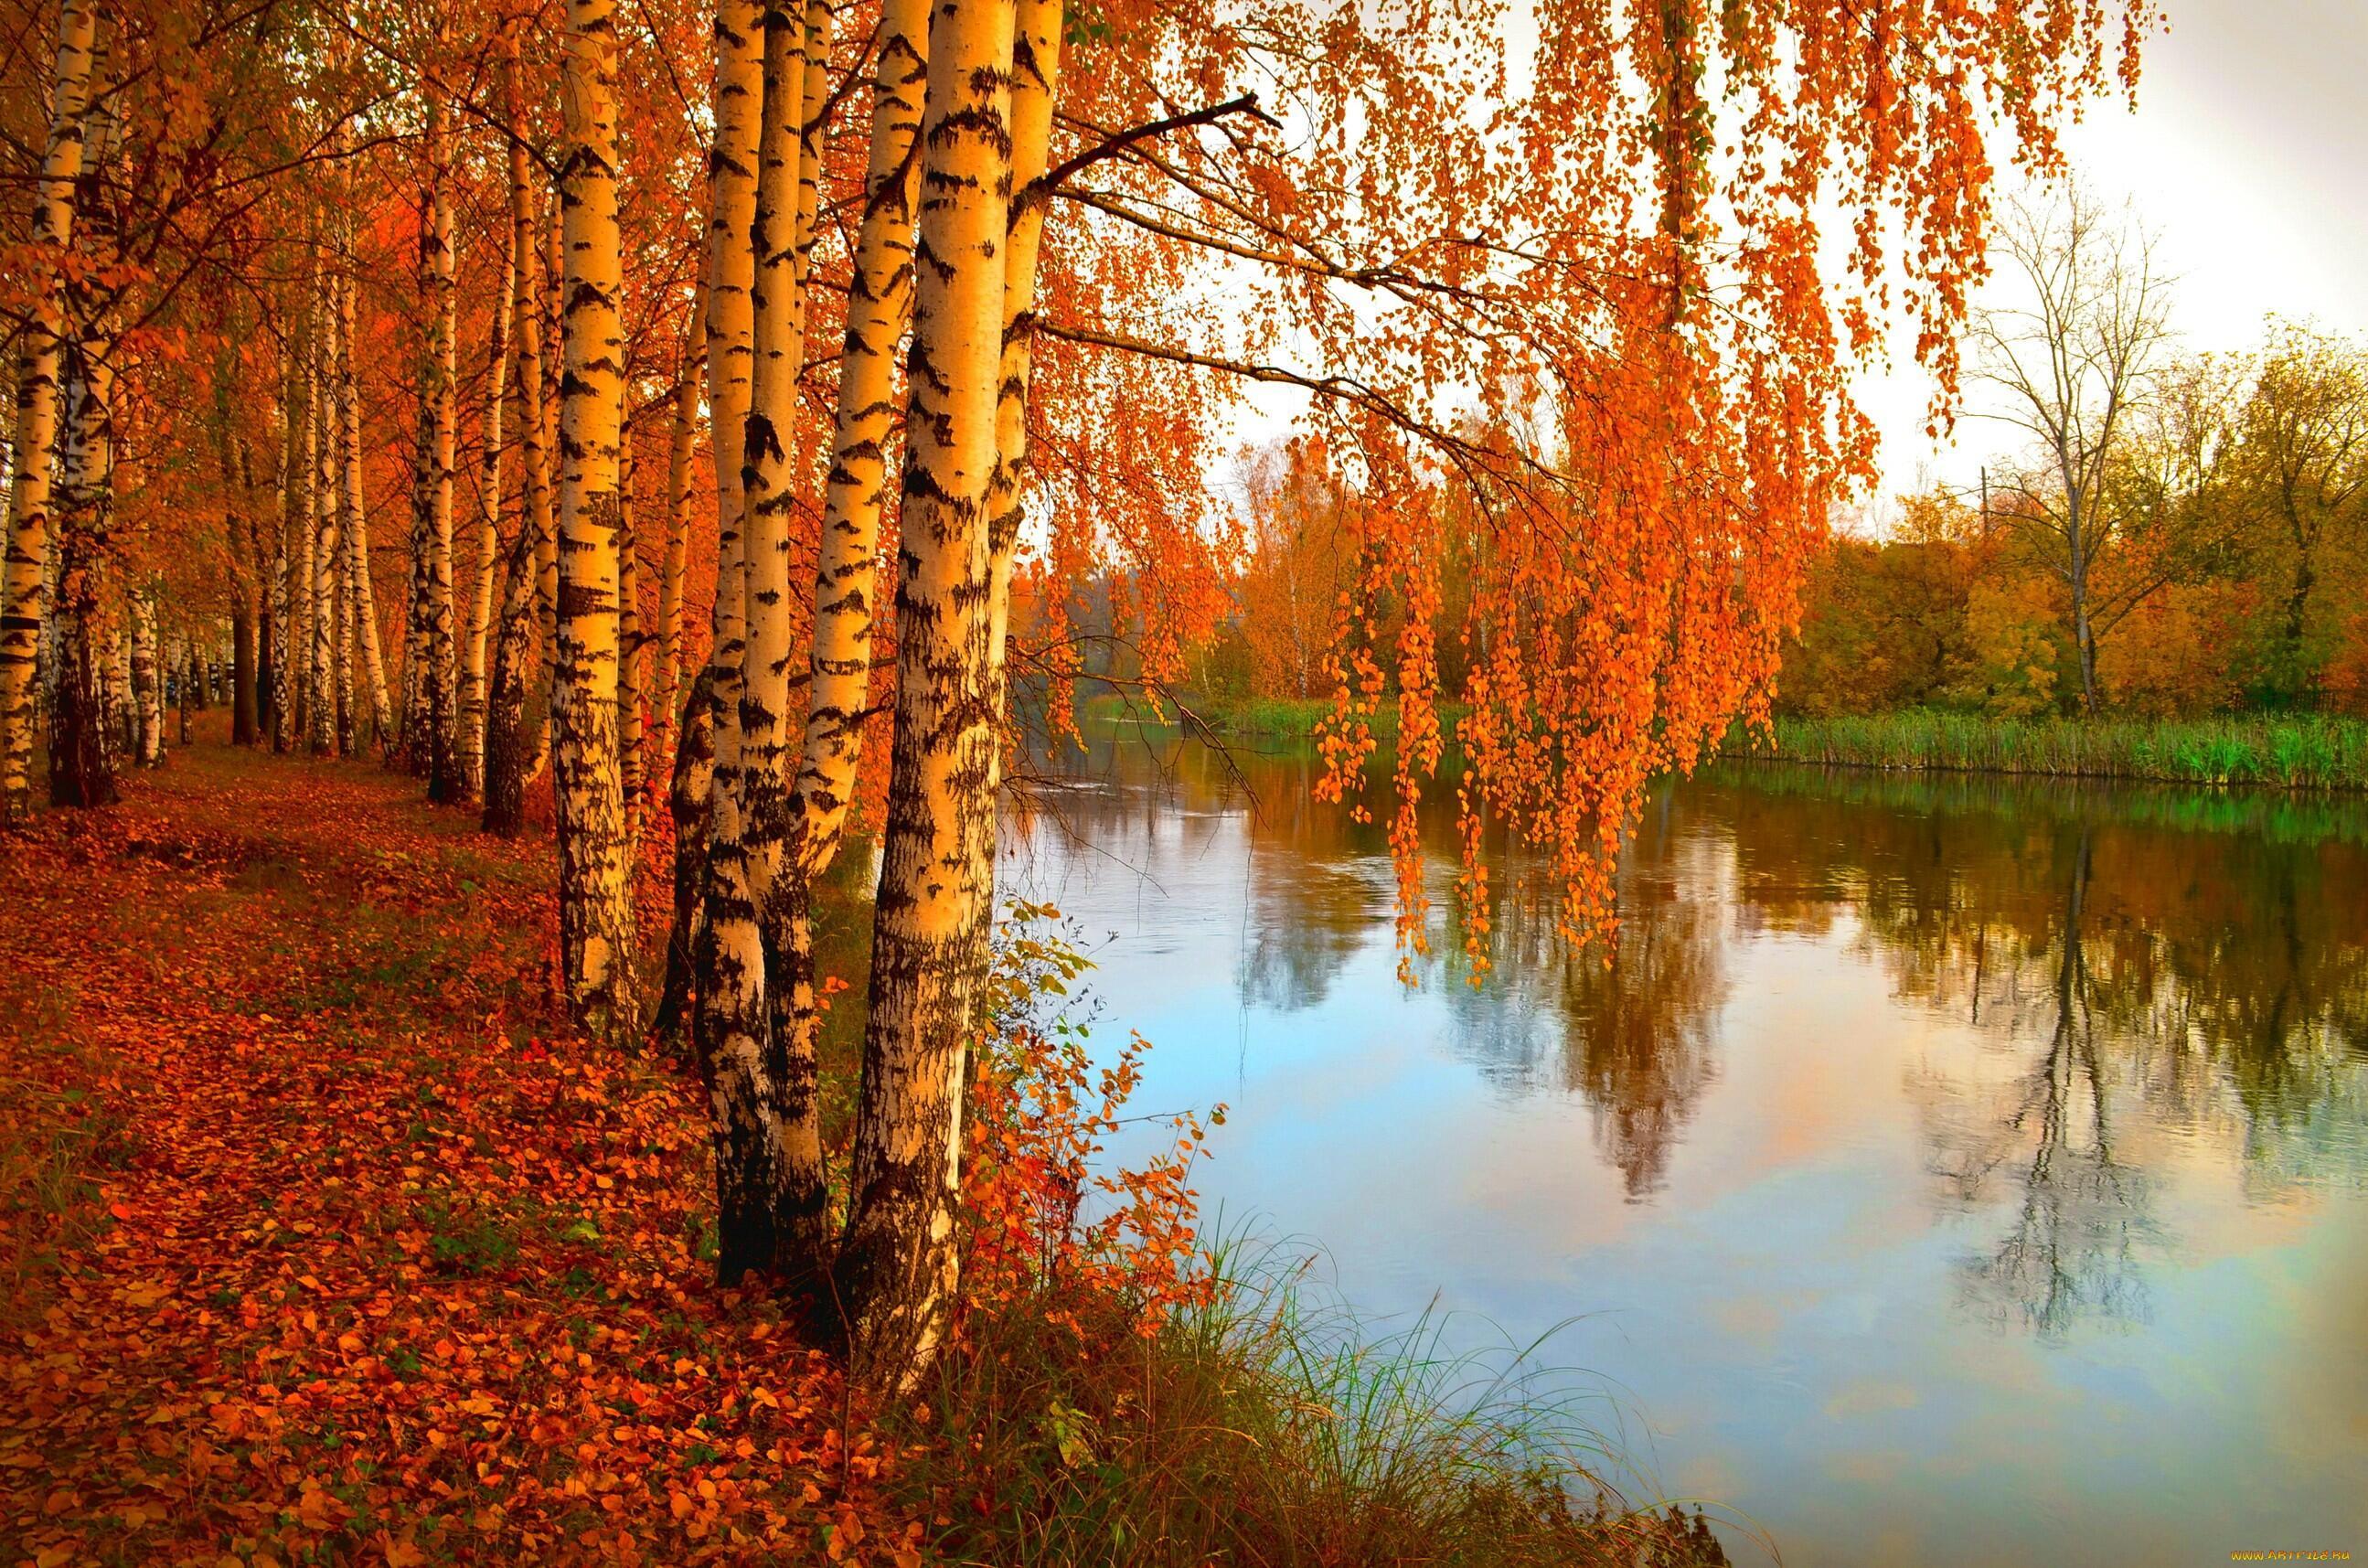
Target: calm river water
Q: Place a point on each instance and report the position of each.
(1941, 1172)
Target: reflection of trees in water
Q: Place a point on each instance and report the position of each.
(1142, 799)
(1306, 919)
(2149, 976)
(2227, 972)
(1634, 1030)
(2144, 959)
(2072, 1249)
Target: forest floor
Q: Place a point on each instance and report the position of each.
(315, 1251)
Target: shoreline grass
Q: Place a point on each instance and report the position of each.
(1271, 1424)
(2259, 752)
(1269, 718)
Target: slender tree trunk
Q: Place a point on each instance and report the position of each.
(2305, 578)
(839, 672)
(746, 843)
(1035, 82)
(123, 734)
(879, 307)
(348, 619)
(898, 1261)
(741, 1098)
(192, 682)
(440, 666)
(595, 849)
(356, 519)
(33, 443)
(509, 737)
(249, 575)
(270, 678)
(83, 748)
(550, 306)
(489, 545)
(511, 742)
(52, 662)
(147, 681)
(345, 570)
(302, 551)
(681, 453)
(326, 561)
(631, 732)
(686, 801)
(245, 730)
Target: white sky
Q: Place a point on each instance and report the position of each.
(2247, 157)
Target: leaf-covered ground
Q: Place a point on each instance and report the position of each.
(318, 1248)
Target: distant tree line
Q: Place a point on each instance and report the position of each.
(2224, 552)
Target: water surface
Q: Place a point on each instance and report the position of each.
(1957, 1172)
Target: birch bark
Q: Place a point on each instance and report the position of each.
(322, 718)
(595, 848)
(897, 1264)
(355, 519)
(488, 571)
(33, 443)
(439, 663)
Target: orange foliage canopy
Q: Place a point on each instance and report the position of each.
(1558, 281)
(1566, 263)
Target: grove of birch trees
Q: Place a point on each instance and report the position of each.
(692, 429)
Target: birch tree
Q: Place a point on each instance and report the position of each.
(747, 1162)
(438, 748)
(322, 720)
(85, 714)
(354, 518)
(33, 441)
(594, 847)
(485, 573)
(682, 451)
(844, 588)
(897, 1260)
(510, 742)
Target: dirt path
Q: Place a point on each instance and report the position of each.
(315, 1252)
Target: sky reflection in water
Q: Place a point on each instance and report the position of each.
(1954, 1172)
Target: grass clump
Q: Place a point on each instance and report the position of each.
(1262, 1425)
(2272, 751)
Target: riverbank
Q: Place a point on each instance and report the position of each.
(322, 1242)
(1291, 718)
(2286, 753)
(1262, 718)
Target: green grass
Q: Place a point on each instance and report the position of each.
(1271, 716)
(1277, 718)
(1273, 1426)
(2285, 753)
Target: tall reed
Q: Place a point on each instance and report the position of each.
(2283, 752)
